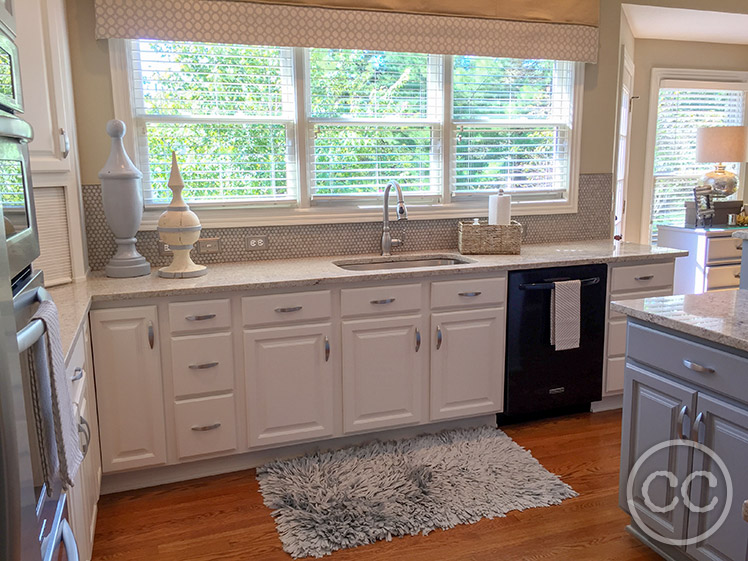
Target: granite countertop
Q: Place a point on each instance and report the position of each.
(741, 234)
(720, 317)
(75, 299)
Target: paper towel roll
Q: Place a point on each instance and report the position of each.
(499, 209)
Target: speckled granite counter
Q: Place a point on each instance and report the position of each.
(74, 300)
(720, 317)
(741, 234)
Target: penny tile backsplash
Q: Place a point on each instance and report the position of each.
(592, 221)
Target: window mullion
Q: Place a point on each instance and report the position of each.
(301, 130)
(447, 132)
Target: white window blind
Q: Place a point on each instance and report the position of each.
(512, 121)
(226, 109)
(680, 112)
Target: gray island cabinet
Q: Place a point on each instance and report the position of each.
(685, 423)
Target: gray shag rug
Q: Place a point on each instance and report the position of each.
(332, 500)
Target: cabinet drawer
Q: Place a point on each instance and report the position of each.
(380, 300)
(198, 316)
(723, 276)
(726, 371)
(205, 426)
(202, 364)
(615, 374)
(723, 250)
(642, 277)
(449, 294)
(284, 308)
(617, 337)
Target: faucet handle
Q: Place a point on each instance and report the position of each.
(396, 242)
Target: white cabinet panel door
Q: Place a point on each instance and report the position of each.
(129, 389)
(289, 372)
(384, 369)
(467, 363)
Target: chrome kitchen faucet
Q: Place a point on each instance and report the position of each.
(402, 214)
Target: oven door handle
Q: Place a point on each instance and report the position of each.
(68, 541)
(34, 330)
(550, 285)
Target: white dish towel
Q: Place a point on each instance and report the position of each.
(565, 314)
(54, 414)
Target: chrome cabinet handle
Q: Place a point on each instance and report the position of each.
(203, 366)
(288, 310)
(85, 428)
(438, 337)
(383, 301)
(682, 416)
(469, 294)
(697, 422)
(77, 374)
(418, 339)
(151, 334)
(206, 428)
(644, 278)
(698, 367)
(327, 349)
(200, 318)
(65, 143)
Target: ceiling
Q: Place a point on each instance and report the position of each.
(677, 24)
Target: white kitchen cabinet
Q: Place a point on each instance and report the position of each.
(467, 363)
(290, 383)
(384, 369)
(129, 387)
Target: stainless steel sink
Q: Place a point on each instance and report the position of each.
(379, 264)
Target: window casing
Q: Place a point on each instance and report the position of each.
(519, 134)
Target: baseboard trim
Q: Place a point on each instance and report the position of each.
(151, 477)
(665, 551)
(608, 403)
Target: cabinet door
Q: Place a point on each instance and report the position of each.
(655, 410)
(723, 429)
(129, 389)
(290, 373)
(384, 369)
(467, 363)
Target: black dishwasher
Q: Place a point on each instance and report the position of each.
(540, 379)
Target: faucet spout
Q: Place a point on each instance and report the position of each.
(402, 214)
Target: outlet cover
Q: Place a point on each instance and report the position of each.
(257, 243)
(209, 245)
(163, 249)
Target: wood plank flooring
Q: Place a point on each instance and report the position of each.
(223, 517)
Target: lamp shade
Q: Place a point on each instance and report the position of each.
(721, 144)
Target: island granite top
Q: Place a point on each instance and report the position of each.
(720, 317)
(741, 234)
(74, 300)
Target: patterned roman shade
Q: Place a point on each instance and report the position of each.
(538, 29)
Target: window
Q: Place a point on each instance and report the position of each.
(681, 110)
(327, 128)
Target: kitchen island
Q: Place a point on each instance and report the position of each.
(684, 447)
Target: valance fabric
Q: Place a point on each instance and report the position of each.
(255, 23)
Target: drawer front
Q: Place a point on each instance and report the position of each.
(484, 292)
(723, 249)
(205, 426)
(380, 300)
(185, 317)
(721, 371)
(642, 277)
(723, 276)
(202, 364)
(617, 337)
(283, 308)
(614, 375)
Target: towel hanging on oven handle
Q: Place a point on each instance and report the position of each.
(33, 331)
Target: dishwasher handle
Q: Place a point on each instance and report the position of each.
(550, 285)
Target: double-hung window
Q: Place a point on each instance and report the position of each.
(328, 128)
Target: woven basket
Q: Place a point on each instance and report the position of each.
(484, 239)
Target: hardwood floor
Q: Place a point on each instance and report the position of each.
(223, 517)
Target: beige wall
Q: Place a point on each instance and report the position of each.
(93, 90)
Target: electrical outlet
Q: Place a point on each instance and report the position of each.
(163, 249)
(209, 245)
(257, 243)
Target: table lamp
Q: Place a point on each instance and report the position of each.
(718, 145)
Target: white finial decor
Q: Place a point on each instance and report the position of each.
(179, 228)
(123, 206)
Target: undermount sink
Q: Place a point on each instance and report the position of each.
(412, 263)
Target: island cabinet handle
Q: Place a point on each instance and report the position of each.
(696, 367)
(206, 428)
(439, 337)
(469, 294)
(644, 278)
(418, 339)
(288, 310)
(203, 366)
(695, 429)
(682, 417)
(201, 317)
(383, 301)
